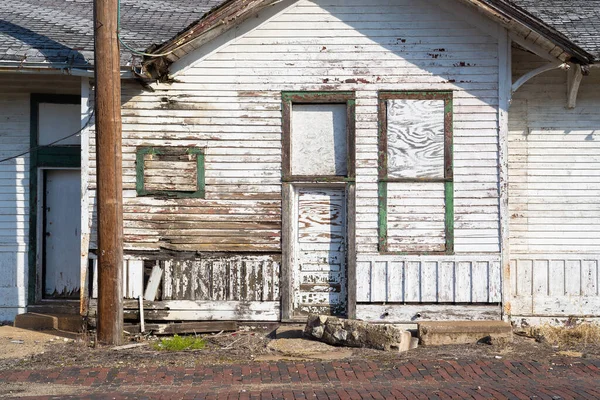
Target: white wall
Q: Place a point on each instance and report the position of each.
(230, 102)
(554, 194)
(14, 182)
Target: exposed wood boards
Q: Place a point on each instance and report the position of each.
(288, 57)
(205, 311)
(153, 282)
(320, 278)
(228, 277)
(429, 280)
(184, 327)
(401, 313)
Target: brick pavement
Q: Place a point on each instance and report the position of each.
(431, 379)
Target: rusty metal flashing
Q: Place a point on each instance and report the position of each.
(384, 179)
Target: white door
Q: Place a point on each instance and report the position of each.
(319, 272)
(62, 233)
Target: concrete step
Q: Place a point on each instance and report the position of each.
(435, 333)
(42, 322)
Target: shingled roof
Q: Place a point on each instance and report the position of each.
(60, 31)
(578, 20)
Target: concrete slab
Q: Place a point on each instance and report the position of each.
(435, 333)
(307, 349)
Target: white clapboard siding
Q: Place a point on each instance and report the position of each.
(230, 104)
(15, 90)
(554, 195)
(554, 165)
(407, 279)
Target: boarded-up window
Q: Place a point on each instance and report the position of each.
(319, 139)
(57, 121)
(170, 171)
(415, 173)
(318, 136)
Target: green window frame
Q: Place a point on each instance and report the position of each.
(141, 190)
(384, 179)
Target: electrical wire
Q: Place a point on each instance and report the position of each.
(87, 123)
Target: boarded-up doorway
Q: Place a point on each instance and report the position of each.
(318, 203)
(319, 270)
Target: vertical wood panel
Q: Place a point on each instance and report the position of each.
(573, 278)
(379, 282)
(429, 281)
(589, 278)
(495, 282)
(556, 281)
(480, 281)
(524, 277)
(540, 277)
(412, 281)
(446, 282)
(363, 281)
(463, 282)
(395, 281)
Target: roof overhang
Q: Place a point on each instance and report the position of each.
(524, 28)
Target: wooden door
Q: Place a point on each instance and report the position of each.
(319, 271)
(62, 233)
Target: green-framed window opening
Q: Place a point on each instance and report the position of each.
(176, 172)
(301, 98)
(416, 183)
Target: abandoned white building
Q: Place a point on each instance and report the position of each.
(397, 160)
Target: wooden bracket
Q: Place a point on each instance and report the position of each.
(533, 73)
(574, 77)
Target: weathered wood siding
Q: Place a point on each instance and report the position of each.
(14, 182)
(230, 104)
(554, 196)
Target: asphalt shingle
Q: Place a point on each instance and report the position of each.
(578, 20)
(61, 30)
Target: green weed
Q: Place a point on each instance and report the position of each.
(180, 343)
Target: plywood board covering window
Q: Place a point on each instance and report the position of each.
(319, 145)
(415, 173)
(318, 136)
(170, 171)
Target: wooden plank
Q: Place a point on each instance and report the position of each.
(188, 310)
(153, 283)
(184, 327)
(414, 313)
(135, 278)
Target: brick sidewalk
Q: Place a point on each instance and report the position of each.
(495, 379)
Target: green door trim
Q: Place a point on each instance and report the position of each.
(44, 157)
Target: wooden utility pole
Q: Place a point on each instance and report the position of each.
(108, 172)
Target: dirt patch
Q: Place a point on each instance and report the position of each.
(37, 389)
(18, 343)
(253, 345)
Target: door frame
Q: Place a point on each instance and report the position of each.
(55, 157)
(290, 182)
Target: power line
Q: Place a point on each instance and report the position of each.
(87, 123)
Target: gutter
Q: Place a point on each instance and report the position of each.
(43, 68)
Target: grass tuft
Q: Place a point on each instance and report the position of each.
(584, 333)
(180, 343)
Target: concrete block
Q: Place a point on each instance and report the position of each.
(435, 333)
(42, 322)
